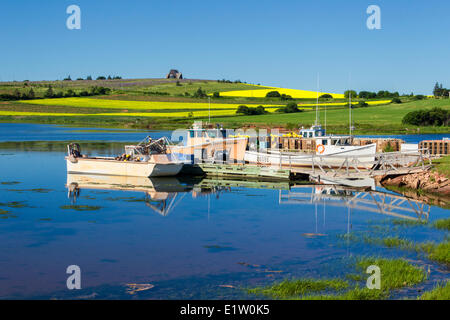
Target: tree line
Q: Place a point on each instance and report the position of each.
(50, 93)
(440, 91)
(371, 95)
(68, 78)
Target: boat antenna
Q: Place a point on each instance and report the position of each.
(349, 105)
(317, 102)
(209, 112)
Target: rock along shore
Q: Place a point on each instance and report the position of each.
(428, 181)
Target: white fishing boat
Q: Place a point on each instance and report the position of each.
(147, 159)
(330, 150)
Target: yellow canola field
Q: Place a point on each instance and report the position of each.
(136, 105)
(127, 114)
(372, 103)
(294, 93)
(122, 114)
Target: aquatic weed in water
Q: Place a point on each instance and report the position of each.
(81, 207)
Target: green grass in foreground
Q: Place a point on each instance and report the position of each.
(293, 288)
(439, 252)
(440, 292)
(442, 166)
(395, 274)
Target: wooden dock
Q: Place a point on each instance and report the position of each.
(239, 171)
(346, 172)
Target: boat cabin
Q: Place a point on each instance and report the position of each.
(196, 136)
(313, 132)
(317, 133)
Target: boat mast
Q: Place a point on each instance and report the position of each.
(349, 106)
(317, 102)
(209, 110)
(350, 111)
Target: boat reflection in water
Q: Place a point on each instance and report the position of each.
(163, 194)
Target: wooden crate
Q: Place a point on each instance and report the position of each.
(436, 147)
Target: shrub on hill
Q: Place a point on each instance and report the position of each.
(273, 94)
(250, 111)
(285, 97)
(351, 93)
(367, 95)
(49, 93)
(433, 117)
(291, 107)
(362, 104)
(199, 93)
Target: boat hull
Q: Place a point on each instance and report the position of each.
(122, 168)
(362, 157)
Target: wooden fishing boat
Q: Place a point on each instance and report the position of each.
(147, 159)
(331, 151)
(209, 145)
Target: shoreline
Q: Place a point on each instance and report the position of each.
(140, 124)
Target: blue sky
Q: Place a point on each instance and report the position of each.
(282, 43)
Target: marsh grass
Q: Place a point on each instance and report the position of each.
(439, 252)
(38, 190)
(440, 292)
(291, 289)
(9, 183)
(4, 211)
(14, 204)
(395, 274)
(8, 216)
(443, 224)
(409, 223)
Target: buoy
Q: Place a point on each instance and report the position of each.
(320, 148)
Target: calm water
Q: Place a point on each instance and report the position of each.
(189, 238)
(39, 132)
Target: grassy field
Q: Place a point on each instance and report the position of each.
(294, 93)
(130, 87)
(442, 166)
(163, 103)
(372, 119)
(137, 105)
